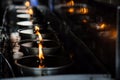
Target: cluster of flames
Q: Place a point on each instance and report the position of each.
(37, 29)
(81, 10)
(85, 10)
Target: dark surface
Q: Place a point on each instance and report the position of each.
(100, 47)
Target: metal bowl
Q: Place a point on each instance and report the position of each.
(53, 65)
(29, 34)
(50, 47)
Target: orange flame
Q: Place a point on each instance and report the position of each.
(71, 10)
(70, 3)
(27, 4)
(38, 33)
(114, 34)
(83, 10)
(41, 56)
(102, 26)
(30, 11)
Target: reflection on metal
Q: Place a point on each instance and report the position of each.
(40, 47)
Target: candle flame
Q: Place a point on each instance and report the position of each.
(71, 10)
(70, 3)
(41, 56)
(102, 26)
(37, 29)
(30, 11)
(27, 4)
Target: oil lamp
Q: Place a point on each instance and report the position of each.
(53, 65)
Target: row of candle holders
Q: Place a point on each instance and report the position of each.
(27, 44)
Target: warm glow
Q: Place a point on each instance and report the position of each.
(70, 3)
(41, 57)
(30, 11)
(71, 10)
(114, 34)
(27, 4)
(41, 66)
(84, 21)
(37, 28)
(82, 10)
